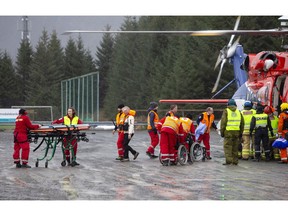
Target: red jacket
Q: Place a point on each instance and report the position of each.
(22, 125)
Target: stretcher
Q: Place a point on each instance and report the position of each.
(52, 135)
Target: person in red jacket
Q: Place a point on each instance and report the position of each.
(22, 125)
(70, 119)
(171, 133)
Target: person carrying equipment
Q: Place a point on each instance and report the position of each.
(70, 119)
(260, 123)
(283, 129)
(119, 127)
(152, 121)
(247, 147)
(232, 126)
(22, 125)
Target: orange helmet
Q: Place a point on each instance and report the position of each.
(268, 110)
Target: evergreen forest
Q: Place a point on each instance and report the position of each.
(134, 69)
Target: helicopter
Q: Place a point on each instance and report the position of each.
(260, 78)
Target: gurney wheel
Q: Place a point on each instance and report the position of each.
(37, 163)
(46, 164)
(63, 163)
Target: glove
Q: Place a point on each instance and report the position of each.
(154, 130)
(272, 134)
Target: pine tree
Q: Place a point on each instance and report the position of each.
(23, 63)
(8, 92)
(103, 63)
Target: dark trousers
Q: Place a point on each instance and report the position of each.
(126, 146)
(261, 134)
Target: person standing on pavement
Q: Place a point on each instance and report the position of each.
(260, 122)
(207, 118)
(70, 119)
(119, 127)
(22, 125)
(152, 121)
(128, 133)
(247, 146)
(171, 134)
(274, 152)
(283, 129)
(232, 126)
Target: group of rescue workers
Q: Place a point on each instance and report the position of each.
(246, 133)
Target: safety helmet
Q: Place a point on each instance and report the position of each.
(248, 104)
(268, 110)
(284, 106)
(232, 102)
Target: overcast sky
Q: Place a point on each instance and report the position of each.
(10, 26)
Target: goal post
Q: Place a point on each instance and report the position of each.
(38, 113)
(82, 93)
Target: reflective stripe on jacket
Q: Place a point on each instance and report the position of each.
(261, 120)
(233, 120)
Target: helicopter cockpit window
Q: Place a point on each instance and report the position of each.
(262, 95)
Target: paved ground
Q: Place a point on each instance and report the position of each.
(101, 177)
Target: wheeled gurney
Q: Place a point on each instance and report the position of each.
(52, 135)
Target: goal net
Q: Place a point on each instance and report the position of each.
(38, 113)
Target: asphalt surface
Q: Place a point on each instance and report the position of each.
(101, 177)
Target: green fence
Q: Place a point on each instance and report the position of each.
(82, 93)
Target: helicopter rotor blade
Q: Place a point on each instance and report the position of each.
(235, 29)
(232, 49)
(219, 76)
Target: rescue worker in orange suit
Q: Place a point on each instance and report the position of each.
(128, 133)
(119, 127)
(22, 125)
(248, 141)
(274, 152)
(232, 126)
(152, 121)
(189, 130)
(283, 129)
(70, 119)
(207, 118)
(171, 134)
(260, 122)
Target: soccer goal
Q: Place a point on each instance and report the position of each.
(38, 113)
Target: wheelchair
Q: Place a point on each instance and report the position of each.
(197, 149)
(181, 155)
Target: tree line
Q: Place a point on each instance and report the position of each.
(134, 69)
